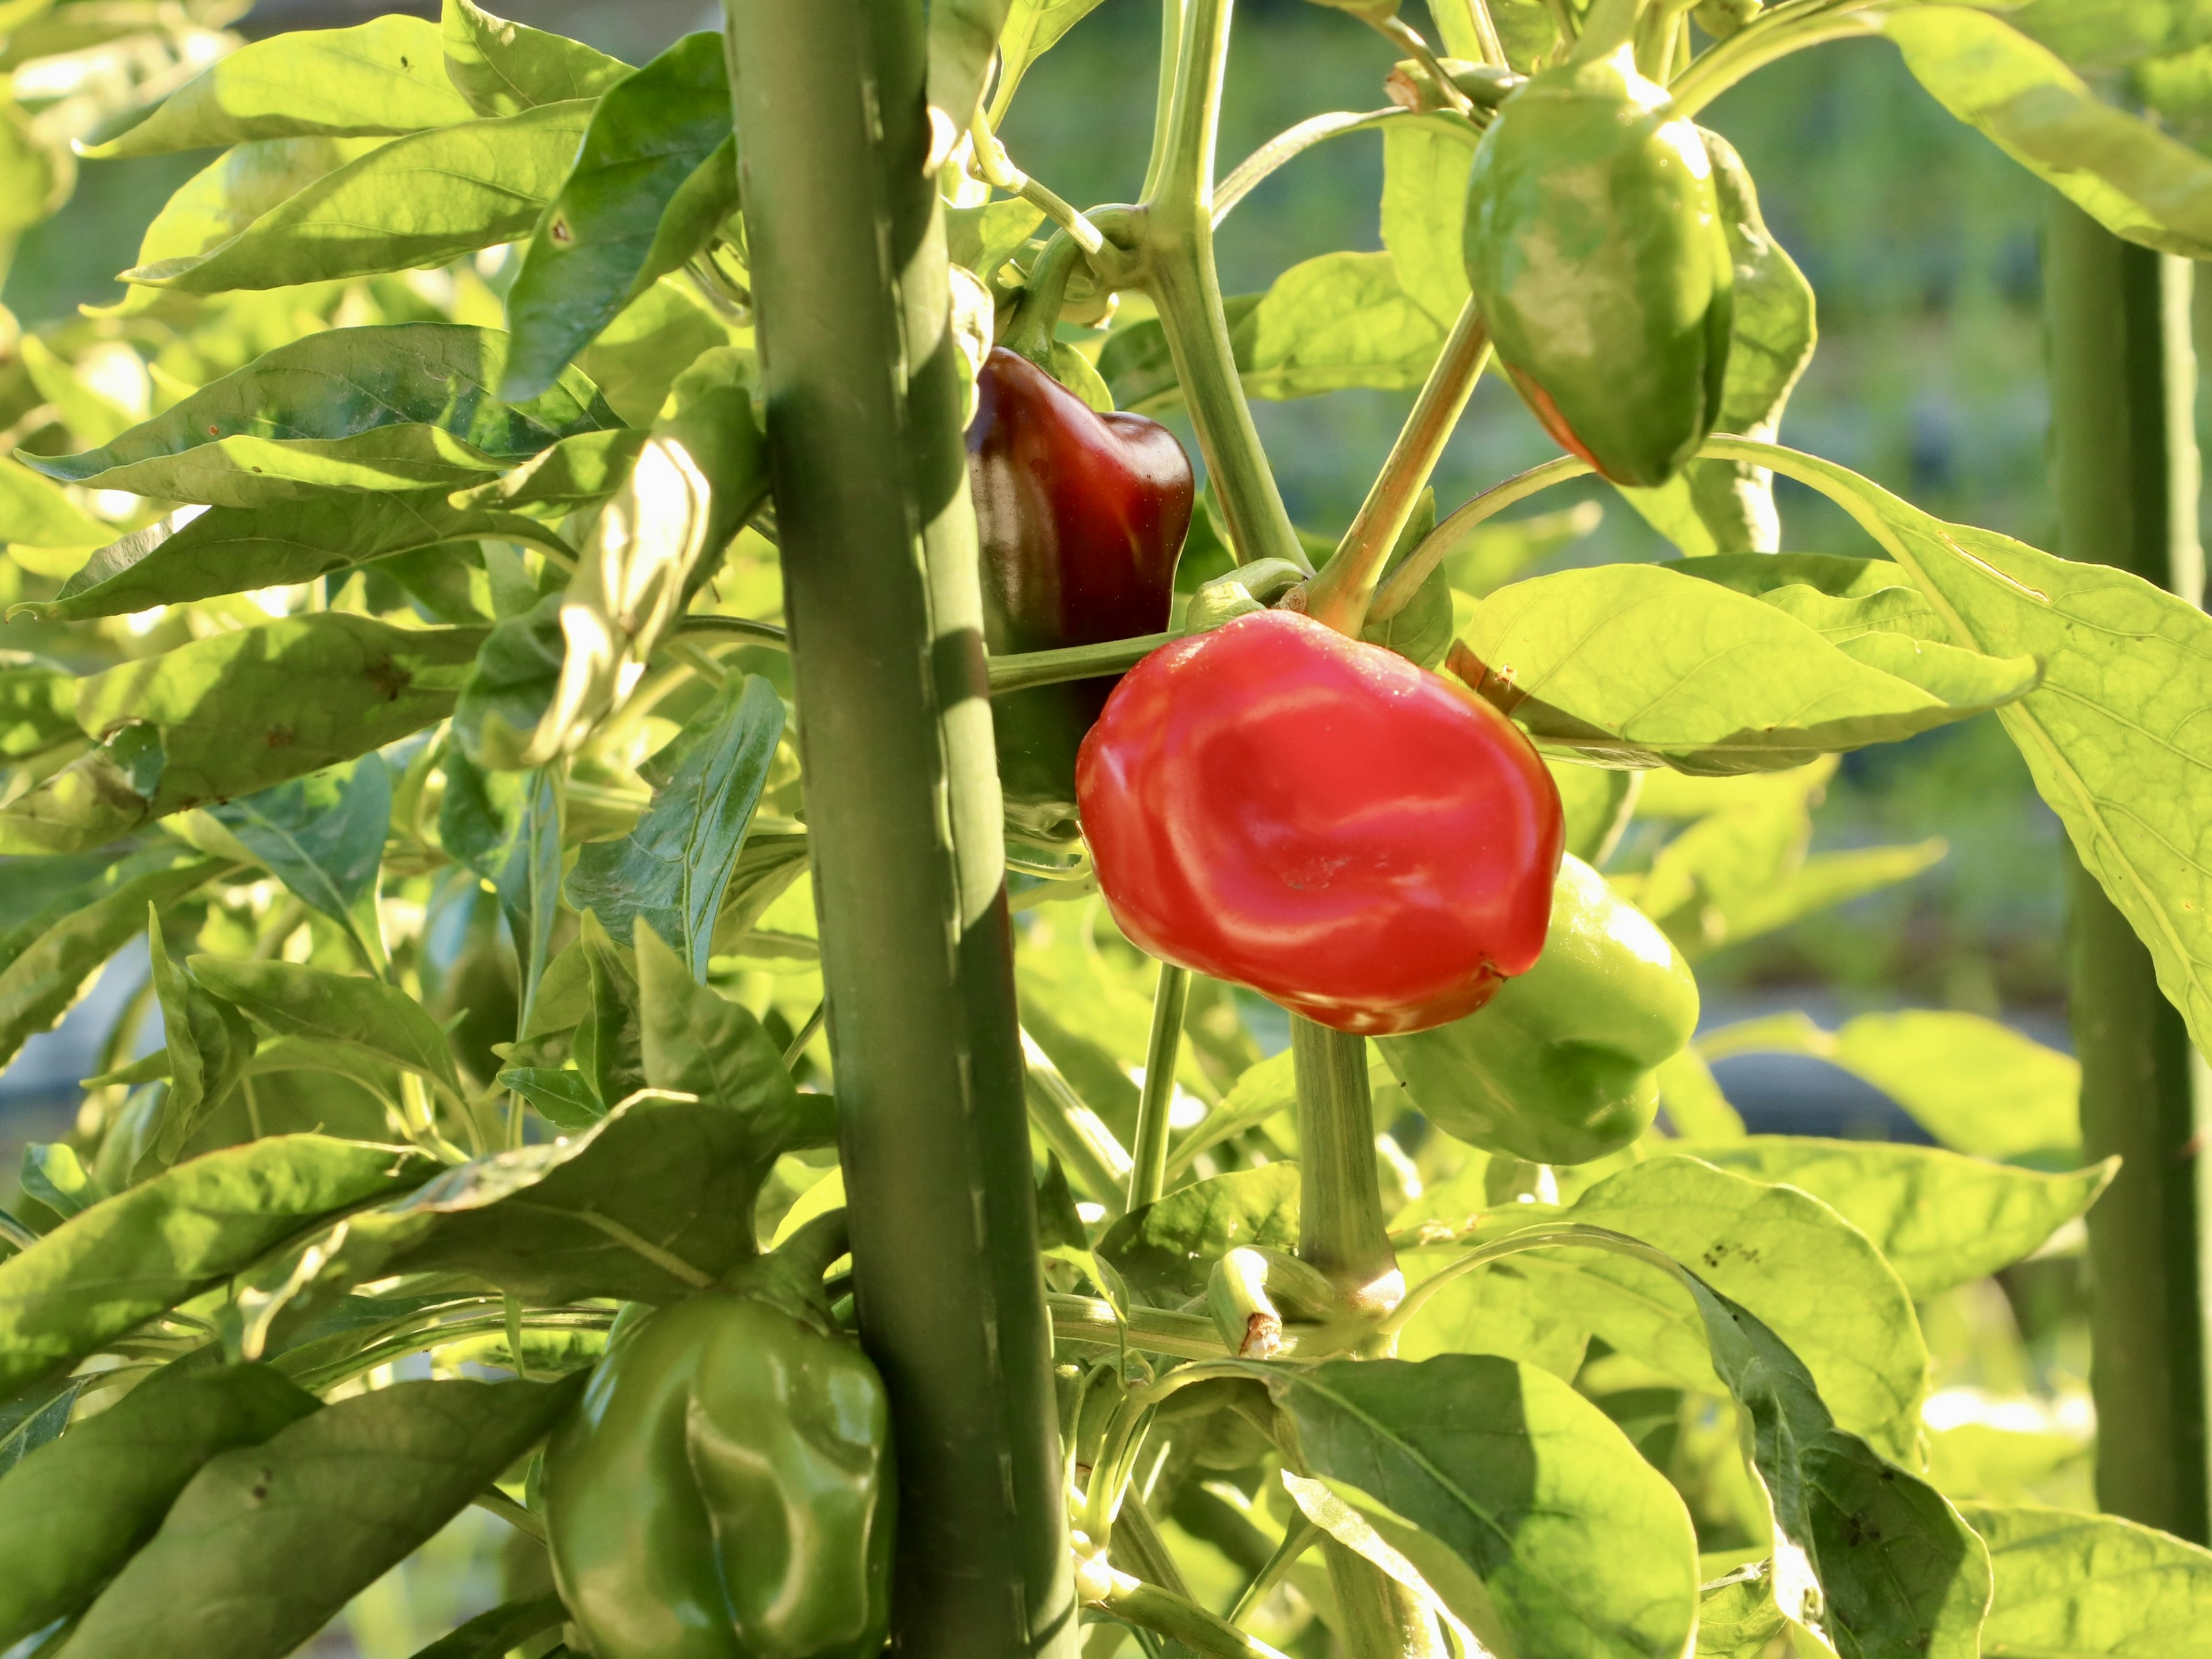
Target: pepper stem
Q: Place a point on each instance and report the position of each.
(1148, 1172)
(1341, 594)
(1342, 1230)
(1046, 291)
(1405, 580)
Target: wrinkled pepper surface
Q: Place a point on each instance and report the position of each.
(1558, 1068)
(1597, 256)
(1080, 517)
(724, 1490)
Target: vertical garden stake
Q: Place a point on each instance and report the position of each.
(862, 374)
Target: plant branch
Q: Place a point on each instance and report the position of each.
(1787, 28)
(1341, 594)
(1021, 670)
(1405, 580)
(1183, 1620)
(1156, 1330)
(1404, 36)
(1292, 142)
(1148, 1169)
(745, 628)
(1340, 1225)
(998, 168)
(1071, 1128)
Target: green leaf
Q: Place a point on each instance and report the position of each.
(1584, 1548)
(1421, 631)
(2125, 174)
(765, 872)
(506, 826)
(1595, 801)
(323, 837)
(1344, 319)
(1728, 507)
(2115, 736)
(209, 1046)
(1941, 1220)
(504, 67)
(1837, 597)
(51, 958)
(387, 76)
(420, 200)
(366, 1015)
(1736, 1615)
(983, 239)
(394, 406)
(38, 710)
(637, 358)
(494, 1635)
(1030, 29)
(1425, 168)
(37, 1417)
(696, 1041)
(1637, 664)
(35, 513)
(369, 1479)
(1167, 1250)
(77, 1509)
(36, 174)
(564, 1099)
(962, 35)
(53, 1175)
(2073, 1586)
(509, 689)
(1980, 1087)
(240, 711)
(229, 549)
(609, 1044)
(581, 471)
(655, 177)
(1760, 1246)
(1495, 1310)
(124, 1259)
(671, 870)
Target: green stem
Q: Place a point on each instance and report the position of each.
(1032, 335)
(1024, 668)
(1404, 36)
(1341, 1229)
(796, 1046)
(1445, 539)
(1148, 1170)
(1171, 19)
(1301, 1537)
(2124, 444)
(761, 633)
(1777, 35)
(1177, 220)
(1382, 1618)
(1341, 594)
(1182, 1619)
(878, 544)
(1156, 1330)
(1071, 1128)
(1466, 31)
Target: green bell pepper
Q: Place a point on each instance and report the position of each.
(1557, 1066)
(724, 1490)
(1597, 253)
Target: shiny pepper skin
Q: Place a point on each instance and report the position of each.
(1559, 1067)
(1080, 517)
(1367, 843)
(1596, 252)
(724, 1491)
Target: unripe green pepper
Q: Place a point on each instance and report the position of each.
(1557, 1066)
(724, 1490)
(1595, 251)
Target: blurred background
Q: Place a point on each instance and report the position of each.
(1922, 243)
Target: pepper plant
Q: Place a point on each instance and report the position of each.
(505, 618)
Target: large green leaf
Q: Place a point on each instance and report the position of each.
(1030, 28)
(420, 200)
(1838, 598)
(38, 710)
(372, 1019)
(1425, 168)
(232, 550)
(52, 956)
(323, 837)
(655, 177)
(2073, 1586)
(127, 1258)
(368, 1480)
(1586, 1551)
(2133, 179)
(75, 1510)
(1941, 1220)
(35, 513)
(581, 471)
(2115, 736)
(503, 68)
(696, 1041)
(393, 406)
(1344, 319)
(386, 77)
(670, 872)
(1167, 1250)
(1638, 664)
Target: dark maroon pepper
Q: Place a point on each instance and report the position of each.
(1081, 517)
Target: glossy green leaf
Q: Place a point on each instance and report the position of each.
(77, 1509)
(1728, 507)
(51, 956)
(227, 549)
(2132, 177)
(494, 1634)
(2073, 1586)
(696, 1041)
(1497, 1309)
(386, 77)
(375, 1020)
(54, 1175)
(503, 68)
(35, 513)
(239, 711)
(164, 1242)
(766, 870)
(1584, 1546)
(420, 200)
(393, 406)
(654, 177)
(1941, 1220)
(1167, 1250)
(1637, 664)
(564, 1099)
(671, 870)
(369, 1479)
(2115, 735)
(983, 239)
(506, 826)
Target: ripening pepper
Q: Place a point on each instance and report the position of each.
(1558, 1068)
(1080, 517)
(1369, 844)
(1597, 253)
(724, 1490)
